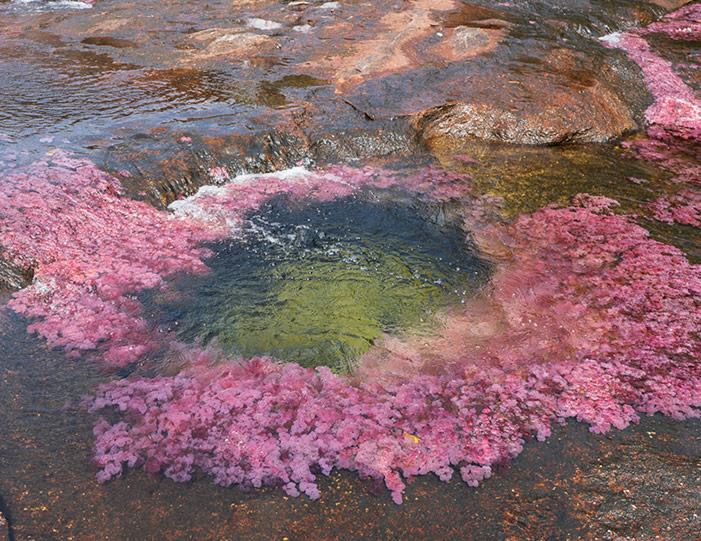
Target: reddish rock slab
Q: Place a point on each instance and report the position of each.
(585, 103)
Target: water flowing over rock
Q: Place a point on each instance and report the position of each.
(520, 73)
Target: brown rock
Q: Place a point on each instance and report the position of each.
(390, 49)
(231, 42)
(464, 41)
(596, 115)
(527, 72)
(13, 276)
(571, 99)
(671, 5)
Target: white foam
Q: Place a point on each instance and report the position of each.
(612, 38)
(263, 24)
(299, 173)
(191, 208)
(46, 6)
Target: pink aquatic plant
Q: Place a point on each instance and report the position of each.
(682, 208)
(675, 117)
(676, 109)
(683, 24)
(91, 249)
(588, 318)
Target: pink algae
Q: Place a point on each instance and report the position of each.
(674, 119)
(681, 208)
(587, 318)
(91, 249)
(676, 109)
(225, 207)
(683, 24)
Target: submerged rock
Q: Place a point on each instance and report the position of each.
(582, 105)
(13, 276)
(533, 72)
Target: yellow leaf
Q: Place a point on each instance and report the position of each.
(411, 437)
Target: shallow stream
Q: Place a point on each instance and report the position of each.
(467, 300)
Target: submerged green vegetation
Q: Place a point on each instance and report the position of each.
(317, 283)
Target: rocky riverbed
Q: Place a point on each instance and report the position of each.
(456, 119)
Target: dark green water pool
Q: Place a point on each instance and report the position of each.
(317, 283)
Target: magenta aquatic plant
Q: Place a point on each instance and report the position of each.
(675, 117)
(676, 108)
(682, 208)
(226, 206)
(683, 24)
(589, 318)
(91, 249)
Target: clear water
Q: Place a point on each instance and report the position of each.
(317, 283)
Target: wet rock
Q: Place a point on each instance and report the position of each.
(230, 42)
(13, 276)
(529, 72)
(161, 167)
(671, 4)
(484, 73)
(106, 41)
(404, 39)
(590, 99)
(361, 144)
(642, 490)
(464, 41)
(583, 107)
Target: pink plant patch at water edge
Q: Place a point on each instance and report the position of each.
(588, 318)
(675, 117)
(92, 249)
(683, 24)
(676, 108)
(682, 208)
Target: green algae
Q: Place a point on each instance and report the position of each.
(532, 177)
(318, 283)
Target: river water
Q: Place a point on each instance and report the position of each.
(392, 261)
